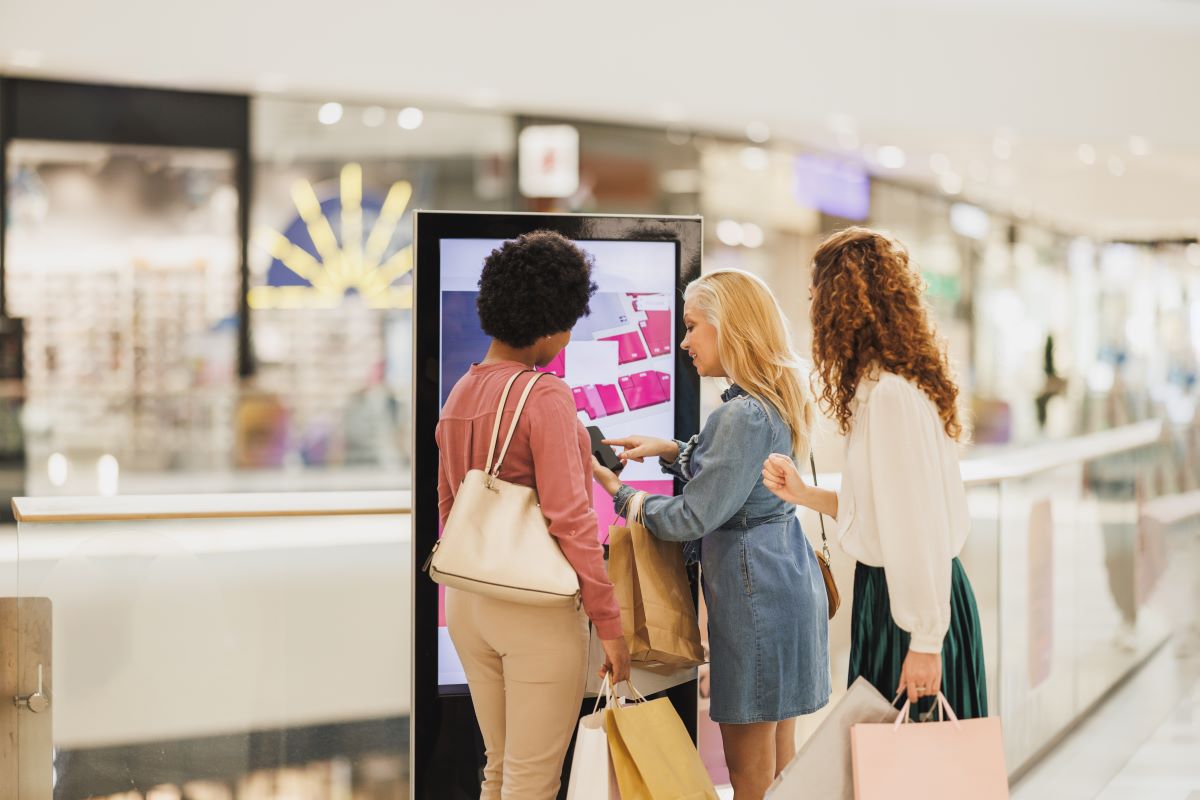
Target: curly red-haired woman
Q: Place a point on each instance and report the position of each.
(902, 508)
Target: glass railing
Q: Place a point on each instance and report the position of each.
(239, 647)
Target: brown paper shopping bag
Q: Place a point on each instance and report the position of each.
(658, 616)
(653, 756)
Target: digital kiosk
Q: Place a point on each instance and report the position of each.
(627, 375)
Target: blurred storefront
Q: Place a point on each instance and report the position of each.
(227, 306)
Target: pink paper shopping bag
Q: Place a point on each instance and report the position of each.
(948, 760)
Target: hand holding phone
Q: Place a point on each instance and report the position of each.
(603, 453)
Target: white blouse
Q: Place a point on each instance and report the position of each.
(902, 505)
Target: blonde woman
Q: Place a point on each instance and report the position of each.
(767, 612)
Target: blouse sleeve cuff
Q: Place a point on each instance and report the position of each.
(680, 467)
(608, 628)
(926, 643)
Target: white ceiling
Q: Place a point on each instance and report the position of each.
(930, 76)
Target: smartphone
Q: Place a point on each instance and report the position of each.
(603, 453)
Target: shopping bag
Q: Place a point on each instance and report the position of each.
(658, 615)
(822, 767)
(946, 760)
(592, 776)
(653, 756)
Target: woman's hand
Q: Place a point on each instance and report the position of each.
(616, 660)
(639, 448)
(605, 477)
(921, 674)
(781, 477)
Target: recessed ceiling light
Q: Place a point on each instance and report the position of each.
(758, 132)
(410, 118)
(330, 113)
(752, 235)
(1087, 154)
(1116, 166)
(1139, 146)
(1002, 148)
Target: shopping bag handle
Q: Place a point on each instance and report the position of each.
(943, 707)
(607, 692)
(635, 500)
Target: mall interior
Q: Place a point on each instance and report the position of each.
(207, 387)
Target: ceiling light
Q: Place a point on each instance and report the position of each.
(330, 113)
(1087, 154)
(410, 118)
(939, 163)
(1116, 166)
(891, 157)
(1002, 148)
(1139, 146)
(374, 116)
(951, 183)
(758, 132)
(729, 232)
(752, 235)
(755, 158)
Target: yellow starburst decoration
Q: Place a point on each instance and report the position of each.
(349, 265)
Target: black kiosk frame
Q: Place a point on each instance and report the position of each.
(445, 746)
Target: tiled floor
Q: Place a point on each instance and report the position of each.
(1143, 743)
(1167, 766)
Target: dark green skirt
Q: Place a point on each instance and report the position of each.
(878, 646)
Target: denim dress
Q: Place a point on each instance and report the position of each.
(768, 619)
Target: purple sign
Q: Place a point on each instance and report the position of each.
(838, 188)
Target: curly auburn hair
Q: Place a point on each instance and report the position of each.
(533, 286)
(868, 314)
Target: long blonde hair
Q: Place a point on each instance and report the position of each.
(755, 345)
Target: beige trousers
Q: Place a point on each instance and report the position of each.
(526, 667)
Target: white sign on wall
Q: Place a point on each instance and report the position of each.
(549, 161)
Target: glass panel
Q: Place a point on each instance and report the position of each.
(123, 264)
(227, 658)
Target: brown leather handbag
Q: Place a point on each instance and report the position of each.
(831, 590)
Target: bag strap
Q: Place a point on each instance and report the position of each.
(499, 416)
(495, 472)
(812, 462)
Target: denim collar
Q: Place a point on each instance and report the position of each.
(733, 391)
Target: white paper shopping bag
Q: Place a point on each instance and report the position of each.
(592, 776)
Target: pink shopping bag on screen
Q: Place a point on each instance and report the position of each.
(947, 760)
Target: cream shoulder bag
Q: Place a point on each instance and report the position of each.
(496, 542)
